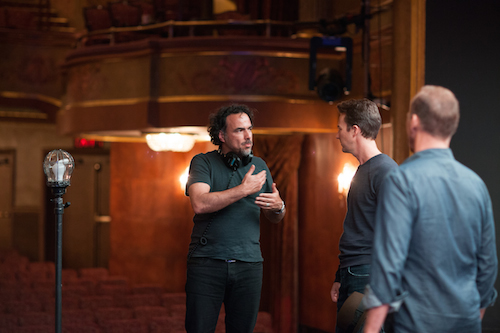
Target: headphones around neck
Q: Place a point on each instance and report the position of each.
(233, 161)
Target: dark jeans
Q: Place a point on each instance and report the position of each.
(353, 278)
(210, 283)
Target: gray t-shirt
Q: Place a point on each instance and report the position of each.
(356, 242)
(234, 231)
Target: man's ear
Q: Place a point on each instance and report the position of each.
(356, 130)
(414, 122)
(221, 136)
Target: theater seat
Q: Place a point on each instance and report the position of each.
(171, 324)
(36, 318)
(124, 14)
(147, 288)
(96, 302)
(149, 312)
(125, 326)
(133, 301)
(106, 314)
(93, 273)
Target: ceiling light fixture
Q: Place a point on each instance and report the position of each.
(171, 142)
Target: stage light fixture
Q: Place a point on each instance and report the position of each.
(330, 84)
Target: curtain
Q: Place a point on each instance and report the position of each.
(282, 154)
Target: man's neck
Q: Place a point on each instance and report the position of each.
(366, 151)
(424, 141)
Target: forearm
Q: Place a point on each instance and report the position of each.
(375, 318)
(214, 201)
(274, 217)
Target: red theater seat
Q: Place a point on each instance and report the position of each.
(124, 14)
(133, 301)
(149, 312)
(96, 302)
(36, 318)
(166, 324)
(125, 326)
(147, 289)
(93, 273)
(106, 314)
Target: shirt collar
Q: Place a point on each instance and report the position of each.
(432, 153)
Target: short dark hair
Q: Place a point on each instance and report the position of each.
(364, 113)
(218, 120)
(437, 109)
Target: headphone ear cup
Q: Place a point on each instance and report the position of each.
(231, 160)
(234, 162)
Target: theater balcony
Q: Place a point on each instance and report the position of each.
(124, 82)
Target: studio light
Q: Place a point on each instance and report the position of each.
(330, 85)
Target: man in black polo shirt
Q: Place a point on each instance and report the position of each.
(228, 189)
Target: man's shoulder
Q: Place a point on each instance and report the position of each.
(205, 156)
(387, 160)
(382, 164)
(256, 159)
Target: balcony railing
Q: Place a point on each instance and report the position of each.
(212, 28)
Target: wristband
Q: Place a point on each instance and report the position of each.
(282, 208)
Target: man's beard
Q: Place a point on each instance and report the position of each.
(244, 152)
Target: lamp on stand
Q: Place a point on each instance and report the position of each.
(58, 167)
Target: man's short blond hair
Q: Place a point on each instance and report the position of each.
(438, 110)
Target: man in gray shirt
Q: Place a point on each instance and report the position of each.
(358, 126)
(228, 188)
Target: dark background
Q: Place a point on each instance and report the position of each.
(463, 54)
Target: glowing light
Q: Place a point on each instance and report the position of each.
(345, 177)
(183, 178)
(170, 142)
(58, 167)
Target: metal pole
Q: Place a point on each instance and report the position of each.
(58, 210)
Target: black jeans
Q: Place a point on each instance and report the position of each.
(210, 283)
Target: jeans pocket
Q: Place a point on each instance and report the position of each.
(359, 271)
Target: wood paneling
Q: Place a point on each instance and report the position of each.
(7, 178)
(409, 66)
(321, 214)
(151, 217)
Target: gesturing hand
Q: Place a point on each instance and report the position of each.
(270, 201)
(253, 183)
